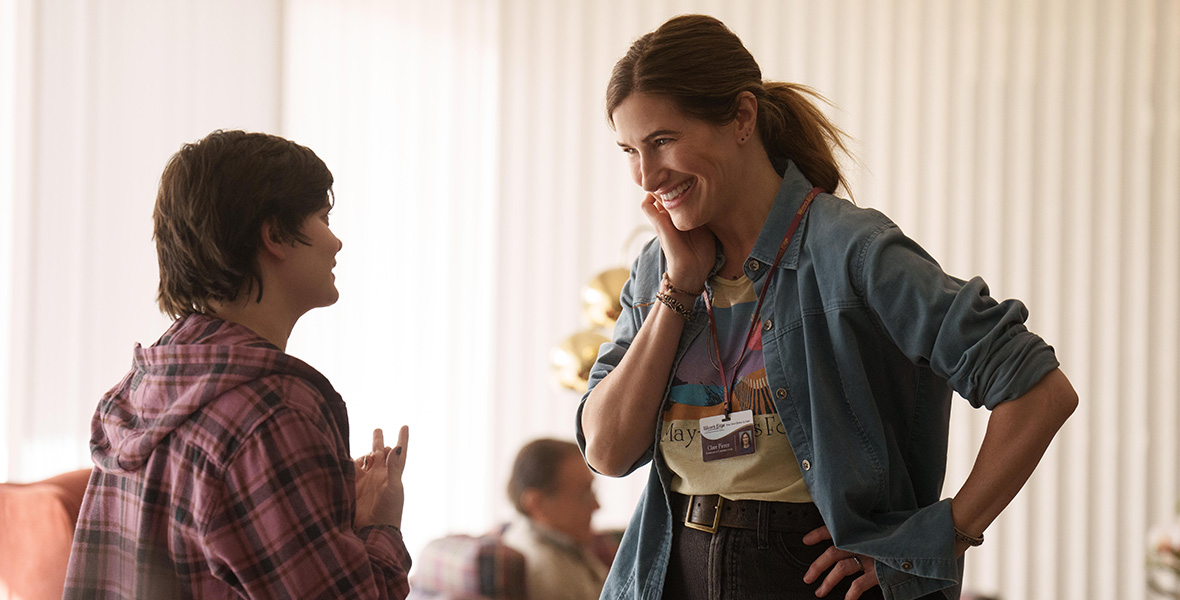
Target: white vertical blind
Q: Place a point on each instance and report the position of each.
(400, 99)
(8, 90)
(1035, 143)
(106, 92)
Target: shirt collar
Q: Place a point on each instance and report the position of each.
(552, 536)
(791, 193)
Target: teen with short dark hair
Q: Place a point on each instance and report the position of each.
(223, 467)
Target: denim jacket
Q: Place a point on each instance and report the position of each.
(864, 338)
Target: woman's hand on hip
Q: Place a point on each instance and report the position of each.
(691, 254)
(839, 564)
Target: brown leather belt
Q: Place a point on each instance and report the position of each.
(707, 513)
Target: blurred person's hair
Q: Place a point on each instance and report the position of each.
(214, 196)
(702, 67)
(537, 466)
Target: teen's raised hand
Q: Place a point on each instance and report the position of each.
(379, 492)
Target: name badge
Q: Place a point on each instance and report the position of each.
(722, 438)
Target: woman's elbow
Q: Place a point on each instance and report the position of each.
(1067, 402)
(603, 461)
(1059, 399)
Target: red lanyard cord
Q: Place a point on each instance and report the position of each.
(728, 383)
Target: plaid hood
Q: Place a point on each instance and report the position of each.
(224, 472)
(198, 360)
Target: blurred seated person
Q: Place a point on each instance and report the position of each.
(553, 491)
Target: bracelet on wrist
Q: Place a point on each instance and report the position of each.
(970, 540)
(667, 285)
(677, 306)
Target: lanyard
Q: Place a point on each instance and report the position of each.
(727, 384)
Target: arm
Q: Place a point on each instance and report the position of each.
(984, 351)
(1018, 432)
(620, 413)
(284, 521)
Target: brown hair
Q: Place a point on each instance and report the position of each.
(214, 196)
(698, 63)
(536, 467)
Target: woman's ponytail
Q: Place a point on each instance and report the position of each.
(792, 126)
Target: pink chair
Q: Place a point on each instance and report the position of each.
(37, 523)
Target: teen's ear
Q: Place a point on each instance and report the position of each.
(272, 241)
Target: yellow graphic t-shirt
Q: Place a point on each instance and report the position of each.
(771, 472)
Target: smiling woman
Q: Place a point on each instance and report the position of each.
(859, 333)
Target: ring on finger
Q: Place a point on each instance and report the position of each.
(859, 565)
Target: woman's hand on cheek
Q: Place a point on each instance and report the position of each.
(657, 216)
(839, 564)
(691, 254)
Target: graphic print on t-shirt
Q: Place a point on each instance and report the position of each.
(771, 472)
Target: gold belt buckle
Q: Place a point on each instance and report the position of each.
(716, 515)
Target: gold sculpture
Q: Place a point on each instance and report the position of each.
(572, 358)
(600, 297)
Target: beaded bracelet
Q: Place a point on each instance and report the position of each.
(968, 539)
(675, 305)
(668, 287)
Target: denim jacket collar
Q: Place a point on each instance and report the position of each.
(791, 193)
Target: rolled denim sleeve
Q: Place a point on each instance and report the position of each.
(980, 346)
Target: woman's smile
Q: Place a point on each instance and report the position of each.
(671, 199)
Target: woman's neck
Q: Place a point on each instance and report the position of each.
(738, 231)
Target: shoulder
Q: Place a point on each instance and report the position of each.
(273, 393)
(522, 536)
(862, 247)
(861, 235)
(836, 222)
(519, 536)
(284, 446)
(274, 404)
